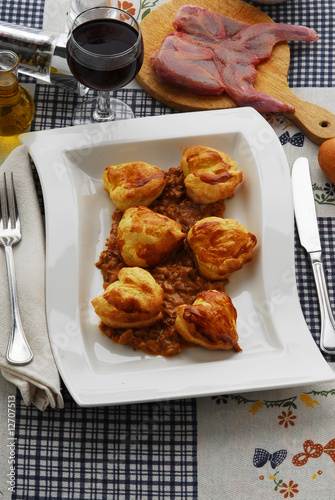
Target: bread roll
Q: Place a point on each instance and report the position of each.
(220, 246)
(134, 301)
(210, 321)
(210, 175)
(145, 238)
(134, 183)
(326, 158)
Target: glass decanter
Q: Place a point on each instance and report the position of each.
(16, 104)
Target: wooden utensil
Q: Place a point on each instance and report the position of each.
(317, 123)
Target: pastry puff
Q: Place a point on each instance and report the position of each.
(210, 321)
(220, 246)
(210, 175)
(134, 183)
(146, 238)
(134, 301)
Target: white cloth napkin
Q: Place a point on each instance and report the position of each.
(38, 381)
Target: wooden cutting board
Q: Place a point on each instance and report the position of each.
(317, 123)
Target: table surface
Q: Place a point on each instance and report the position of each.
(274, 444)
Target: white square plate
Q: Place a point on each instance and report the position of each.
(278, 349)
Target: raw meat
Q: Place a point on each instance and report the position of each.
(210, 54)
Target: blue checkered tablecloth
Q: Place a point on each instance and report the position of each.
(306, 286)
(147, 451)
(108, 453)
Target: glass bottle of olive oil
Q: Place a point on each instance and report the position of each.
(16, 104)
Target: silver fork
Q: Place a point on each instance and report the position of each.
(18, 350)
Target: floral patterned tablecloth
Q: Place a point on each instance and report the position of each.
(279, 444)
(265, 445)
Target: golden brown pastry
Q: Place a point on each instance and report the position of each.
(134, 183)
(210, 175)
(210, 321)
(220, 246)
(134, 301)
(146, 238)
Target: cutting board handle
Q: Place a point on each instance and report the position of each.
(318, 124)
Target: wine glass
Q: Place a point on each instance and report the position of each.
(104, 52)
(78, 6)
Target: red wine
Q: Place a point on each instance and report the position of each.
(93, 54)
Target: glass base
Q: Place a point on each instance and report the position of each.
(86, 112)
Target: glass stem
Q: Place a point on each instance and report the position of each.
(103, 112)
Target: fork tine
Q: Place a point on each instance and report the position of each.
(6, 203)
(11, 212)
(15, 207)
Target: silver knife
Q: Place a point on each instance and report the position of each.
(305, 216)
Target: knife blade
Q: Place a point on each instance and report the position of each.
(307, 225)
